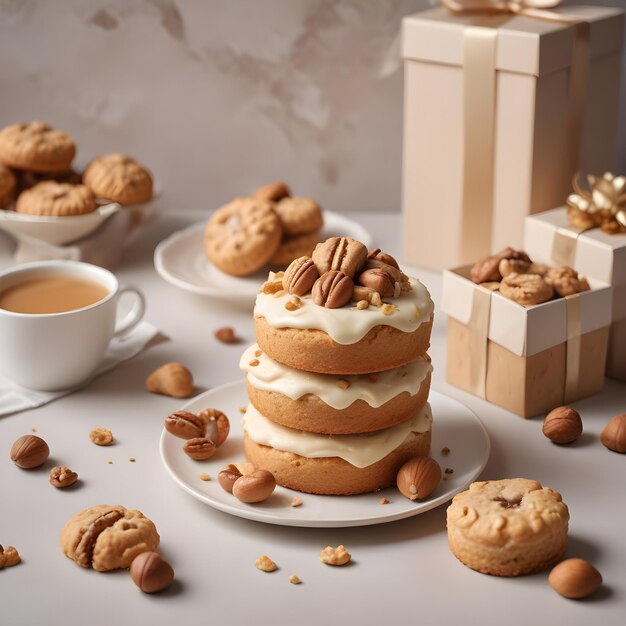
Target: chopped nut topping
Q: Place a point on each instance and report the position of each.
(265, 564)
(290, 306)
(384, 501)
(335, 556)
(445, 451)
(204, 477)
(343, 383)
(362, 305)
(296, 501)
(280, 294)
(132, 459)
(405, 285)
(272, 287)
(9, 557)
(376, 299)
(448, 470)
(258, 353)
(226, 335)
(388, 309)
(254, 363)
(294, 580)
(101, 436)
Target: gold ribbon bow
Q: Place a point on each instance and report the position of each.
(603, 204)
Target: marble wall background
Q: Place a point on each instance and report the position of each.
(218, 96)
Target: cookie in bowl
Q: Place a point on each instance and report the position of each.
(51, 198)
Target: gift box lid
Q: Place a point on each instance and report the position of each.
(525, 45)
(525, 330)
(594, 253)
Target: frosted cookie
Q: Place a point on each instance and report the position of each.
(7, 185)
(36, 147)
(58, 199)
(335, 405)
(291, 248)
(299, 215)
(508, 527)
(118, 178)
(337, 465)
(242, 236)
(108, 537)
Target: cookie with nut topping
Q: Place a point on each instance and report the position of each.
(508, 527)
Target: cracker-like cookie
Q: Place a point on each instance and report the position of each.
(291, 248)
(119, 178)
(59, 199)
(36, 147)
(299, 215)
(7, 185)
(108, 537)
(508, 527)
(242, 236)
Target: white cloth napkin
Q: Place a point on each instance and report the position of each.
(14, 398)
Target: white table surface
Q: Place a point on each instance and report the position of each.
(403, 572)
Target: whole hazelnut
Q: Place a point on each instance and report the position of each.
(418, 477)
(29, 451)
(575, 578)
(562, 425)
(254, 487)
(614, 434)
(151, 572)
(171, 379)
(228, 476)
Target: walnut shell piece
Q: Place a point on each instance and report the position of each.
(300, 276)
(254, 487)
(418, 477)
(171, 379)
(562, 425)
(29, 451)
(151, 572)
(566, 281)
(185, 425)
(613, 435)
(575, 578)
(199, 448)
(342, 254)
(332, 290)
(62, 476)
(526, 289)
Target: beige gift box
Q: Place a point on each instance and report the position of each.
(485, 146)
(525, 359)
(548, 238)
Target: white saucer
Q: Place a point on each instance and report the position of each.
(454, 427)
(181, 261)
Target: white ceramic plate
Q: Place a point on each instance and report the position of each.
(181, 261)
(454, 427)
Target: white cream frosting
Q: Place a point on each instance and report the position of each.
(358, 450)
(269, 375)
(348, 324)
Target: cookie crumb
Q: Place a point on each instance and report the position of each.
(34, 430)
(204, 477)
(384, 501)
(101, 436)
(362, 305)
(448, 470)
(243, 409)
(294, 580)
(258, 353)
(254, 363)
(445, 451)
(265, 564)
(132, 459)
(343, 383)
(388, 309)
(109, 462)
(296, 501)
(335, 556)
(280, 293)
(226, 335)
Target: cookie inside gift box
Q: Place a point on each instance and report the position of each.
(525, 336)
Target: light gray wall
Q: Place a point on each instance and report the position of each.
(218, 96)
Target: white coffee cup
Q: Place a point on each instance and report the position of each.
(53, 351)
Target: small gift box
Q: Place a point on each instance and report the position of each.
(500, 111)
(550, 238)
(525, 359)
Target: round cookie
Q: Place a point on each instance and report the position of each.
(108, 537)
(291, 248)
(334, 405)
(118, 178)
(242, 236)
(508, 527)
(7, 185)
(299, 215)
(36, 147)
(56, 199)
(272, 191)
(334, 475)
(26, 180)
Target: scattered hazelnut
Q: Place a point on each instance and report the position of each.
(9, 557)
(613, 435)
(185, 425)
(101, 436)
(575, 578)
(226, 335)
(265, 564)
(562, 425)
(228, 476)
(217, 425)
(254, 487)
(171, 379)
(418, 477)
(29, 451)
(199, 448)
(335, 556)
(61, 477)
(151, 572)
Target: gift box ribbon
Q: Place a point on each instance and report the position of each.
(479, 108)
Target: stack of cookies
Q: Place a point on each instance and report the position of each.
(339, 379)
(37, 178)
(271, 227)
